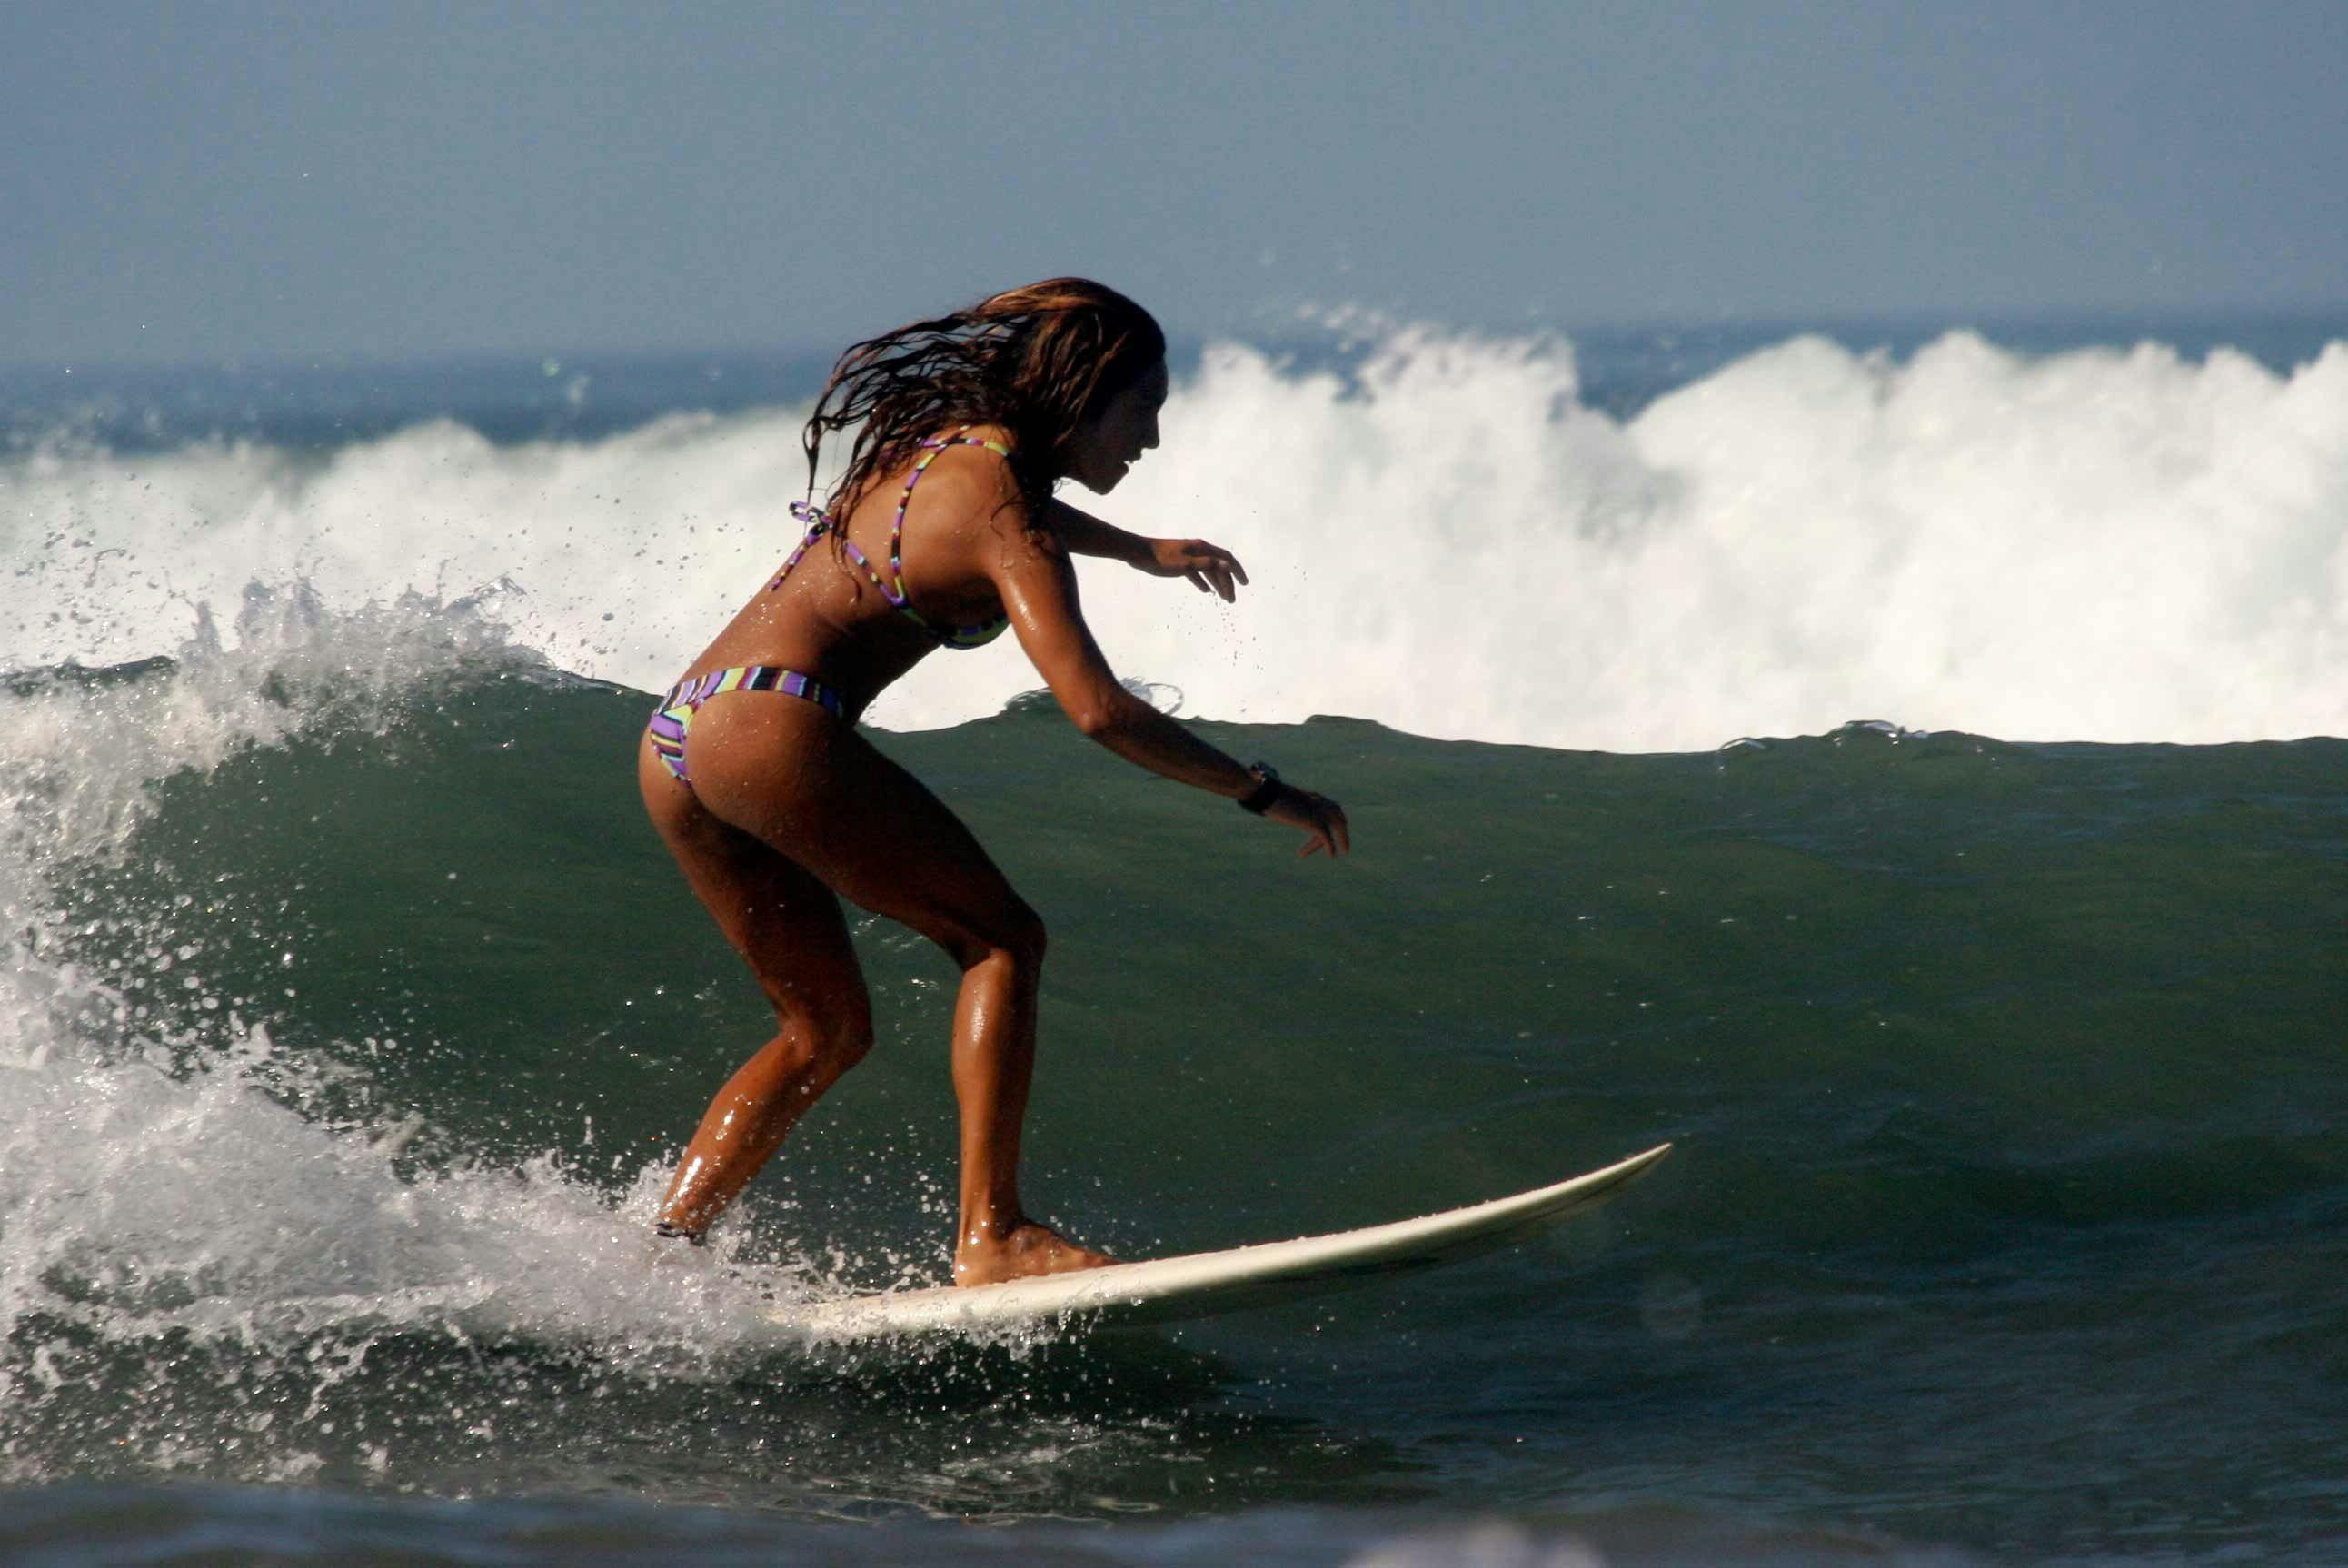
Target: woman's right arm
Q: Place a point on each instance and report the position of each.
(1037, 583)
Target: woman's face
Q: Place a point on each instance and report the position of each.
(1113, 440)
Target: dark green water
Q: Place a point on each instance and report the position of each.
(2007, 1214)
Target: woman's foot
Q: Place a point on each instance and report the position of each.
(1024, 1250)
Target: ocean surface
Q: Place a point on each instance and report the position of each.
(1903, 766)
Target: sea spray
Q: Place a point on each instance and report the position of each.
(2006, 1075)
(2109, 544)
(182, 1192)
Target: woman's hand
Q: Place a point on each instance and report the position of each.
(1322, 819)
(1210, 568)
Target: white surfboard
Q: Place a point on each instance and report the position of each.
(1167, 1290)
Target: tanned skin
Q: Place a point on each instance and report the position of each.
(791, 810)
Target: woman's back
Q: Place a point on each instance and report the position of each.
(857, 606)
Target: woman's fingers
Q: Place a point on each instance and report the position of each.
(1212, 575)
(1210, 568)
(1209, 579)
(1334, 827)
(1321, 819)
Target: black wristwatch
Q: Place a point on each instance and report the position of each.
(1267, 789)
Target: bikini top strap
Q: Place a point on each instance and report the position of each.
(897, 528)
(817, 521)
(821, 522)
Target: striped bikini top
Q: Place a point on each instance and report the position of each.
(892, 587)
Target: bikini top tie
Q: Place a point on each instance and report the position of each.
(892, 587)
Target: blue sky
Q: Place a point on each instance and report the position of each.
(235, 181)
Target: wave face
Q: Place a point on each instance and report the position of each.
(1447, 537)
(350, 1017)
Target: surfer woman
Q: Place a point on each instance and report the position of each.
(941, 530)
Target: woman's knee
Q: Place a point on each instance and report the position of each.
(827, 1041)
(1019, 940)
(850, 1039)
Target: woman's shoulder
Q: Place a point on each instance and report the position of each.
(994, 439)
(970, 464)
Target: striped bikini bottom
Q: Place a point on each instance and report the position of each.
(674, 717)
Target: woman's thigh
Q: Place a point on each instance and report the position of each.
(780, 916)
(819, 794)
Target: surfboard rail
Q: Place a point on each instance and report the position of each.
(1196, 1285)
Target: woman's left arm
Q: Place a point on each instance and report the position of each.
(1210, 568)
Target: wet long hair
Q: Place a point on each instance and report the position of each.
(1039, 361)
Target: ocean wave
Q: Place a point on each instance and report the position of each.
(340, 1069)
(2107, 543)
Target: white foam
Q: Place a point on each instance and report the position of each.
(2101, 545)
(147, 1191)
(2104, 544)
(201, 1201)
(167, 1170)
